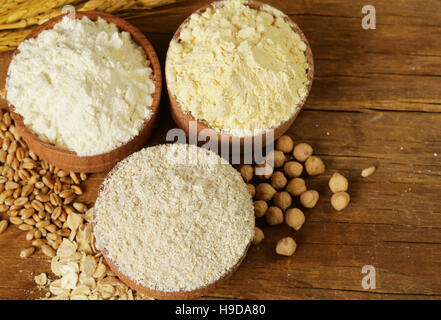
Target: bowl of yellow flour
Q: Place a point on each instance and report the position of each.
(239, 69)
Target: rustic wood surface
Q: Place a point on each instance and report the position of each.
(376, 99)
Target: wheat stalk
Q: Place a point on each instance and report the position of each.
(23, 10)
(17, 17)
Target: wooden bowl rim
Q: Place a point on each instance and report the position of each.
(201, 125)
(157, 294)
(139, 38)
(173, 295)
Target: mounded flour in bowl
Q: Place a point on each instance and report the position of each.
(83, 86)
(174, 217)
(240, 70)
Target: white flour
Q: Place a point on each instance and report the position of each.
(83, 86)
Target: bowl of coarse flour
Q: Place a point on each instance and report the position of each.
(84, 91)
(173, 221)
(248, 71)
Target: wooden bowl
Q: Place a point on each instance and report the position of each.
(164, 295)
(183, 118)
(69, 160)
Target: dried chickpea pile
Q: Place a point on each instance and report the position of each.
(280, 184)
(40, 199)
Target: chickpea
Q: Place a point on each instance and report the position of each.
(258, 236)
(278, 180)
(309, 198)
(260, 208)
(265, 191)
(285, 144)
(274, 216)
(293, 169)
(282, 200)
(302, 152)
(251, 189)
(338, 183)
(246, 172)
(340, 200)
(314, 166)
(295, 218)
(286, 246)
(276, 158)
(296, 186)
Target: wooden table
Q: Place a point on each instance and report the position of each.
(376, 99)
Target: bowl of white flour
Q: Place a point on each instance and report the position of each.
(238, 69)
(173, 221)
(84, 91)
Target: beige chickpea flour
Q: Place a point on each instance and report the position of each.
(239, 69)
(174, 217)
(83, 86)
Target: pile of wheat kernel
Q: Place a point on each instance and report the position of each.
(36, 196)
(275, 191)
(174, 217)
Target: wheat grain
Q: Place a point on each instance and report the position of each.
(26, 253)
